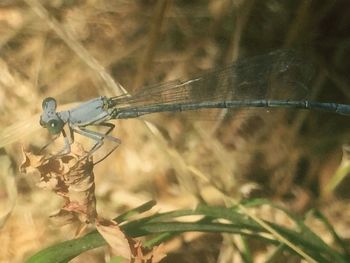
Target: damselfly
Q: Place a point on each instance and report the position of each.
(275, 80)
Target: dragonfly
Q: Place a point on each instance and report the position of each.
(275, 80)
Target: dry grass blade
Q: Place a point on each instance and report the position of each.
(8, 188)
(19, 130)
(84, 55)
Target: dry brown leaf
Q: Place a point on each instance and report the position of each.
(115, 238)
(126, 247)
(142, 256)
(30, 160)
(69, 176)
(158, 253)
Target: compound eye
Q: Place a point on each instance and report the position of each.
(55, 126)
(49, 104)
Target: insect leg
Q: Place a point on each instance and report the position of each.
(49, 143)
(99, 137)
(110, 126)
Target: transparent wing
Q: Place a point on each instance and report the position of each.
(277, 75)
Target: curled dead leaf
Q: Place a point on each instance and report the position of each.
(115, 238)
(69, 176)
(143, 255)
(126, 247)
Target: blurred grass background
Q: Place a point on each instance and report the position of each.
(284, 155)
